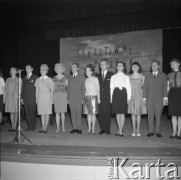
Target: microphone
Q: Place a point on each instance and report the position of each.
(20, 71)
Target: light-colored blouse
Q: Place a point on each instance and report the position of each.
(92, 86)
(120, 80)
(2, 85)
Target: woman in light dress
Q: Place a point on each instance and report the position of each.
(136, 107)
(11, 97)
(91, 99)
(44, 96)
(60, 95)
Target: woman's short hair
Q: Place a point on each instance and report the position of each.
(45, 66)
(136, 64)
(175, 60)
(61, 66)
(91, 67)
(124, 65)
(13, 67)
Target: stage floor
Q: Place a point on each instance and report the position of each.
(67, 139)
(72, 154)
(66, 144)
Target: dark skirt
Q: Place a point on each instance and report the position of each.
(174, 102)
(90, 105)
(1, 103)
(119, 101)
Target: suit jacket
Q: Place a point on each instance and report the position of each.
(28, 93)
(76, 88)
(105, 86)
(155, 89)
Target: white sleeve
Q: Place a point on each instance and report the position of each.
(3, 82)
(112, 86)
(128, 87)
(97, 87)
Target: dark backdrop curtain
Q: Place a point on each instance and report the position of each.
(36, 49)
(33, 48)
(28, 48)
(31, 31)
(171, 47)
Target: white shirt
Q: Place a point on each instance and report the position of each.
(105, 72)
(29, 75)
(120, 80)
(74, 75)
(2, 85)
(155, 73)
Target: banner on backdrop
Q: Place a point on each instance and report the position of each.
(140, 46)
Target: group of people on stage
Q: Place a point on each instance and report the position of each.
(104, 94)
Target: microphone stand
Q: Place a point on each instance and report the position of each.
(19, 131)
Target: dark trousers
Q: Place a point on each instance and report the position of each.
(30, 112)
(76, 114)
(105, 116)
(154, 111)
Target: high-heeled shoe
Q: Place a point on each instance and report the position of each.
(40, 131)
(133, 133)
(138, 133)
(11, 129)
(57, 131)
(173, 136)
(93, 133)
(120, 135)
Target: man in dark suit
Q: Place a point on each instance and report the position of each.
(105, 105)
(155, 97)
(75, 95)
(28, 97)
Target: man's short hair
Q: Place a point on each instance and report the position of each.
(30, 65)
(156, 61)
(76, 64)
(104, 60)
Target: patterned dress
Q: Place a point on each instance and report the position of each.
(11, 95)
(44, 95)
(136, 105)
(60, 95)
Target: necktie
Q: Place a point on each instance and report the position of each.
(154, 74)
(175, 79)
(103, 75)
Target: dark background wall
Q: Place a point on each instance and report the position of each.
(30, 30)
